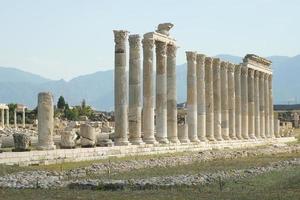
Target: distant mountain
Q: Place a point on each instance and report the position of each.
(97, 88)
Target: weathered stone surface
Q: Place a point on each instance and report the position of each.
(68, 139)
(87, 135)
(21, 141)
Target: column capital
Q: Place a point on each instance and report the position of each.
(237, 68)
(244, 71)
(270, 77)
(261, 75)
(266, 76)
(216, 62)
(120, 36)
(231, 67)
(191, 55)
(256, 74)
(200, 58)
(148, 43)
(134, 41)
(224, 65)
(171, 50)
(208, 60)
(161, 48)
(251, 73)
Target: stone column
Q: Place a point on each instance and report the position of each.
(244, 101)
(231, 101)
(121, 89)
(238, 114)
(256, 104)
(45, 121)
(276, 125)
(183, 135)
(217, 99)
(209, 99)
(15, 118)
(267, 104)
(192, 96)
(135, 91)
(262, 104)
(7, 117)
(271, 110)
(148, 92)
(171, 95)
(2, 118)
(201, 114)
(23, 117)
(251, 108)
(224, 101)
(161, 92)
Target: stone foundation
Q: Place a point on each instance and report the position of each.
(47, 157)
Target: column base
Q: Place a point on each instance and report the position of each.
(162, 140)
(174, 140)
(252, 136)
(219, 139)
(195, 140)
(136, 141)
(150, 140)
(212, 139)
(184, 141)
(203, 139)
(121, 142)
(46, 147)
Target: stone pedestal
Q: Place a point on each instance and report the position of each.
(238, 114)
(244, 101)
(148, 93)
(192, 96)
(256, 104)
(262, 104)
(67, 139)
(45, 121)
(209, 99)
(21, 142)
(231, 101)
(217, 99)
(87, 135)
(135, 91)
(121, 89)
(201, 113)
(171, 95)
(161, 92)
(251, 108)
(183, 133)
(224, 101)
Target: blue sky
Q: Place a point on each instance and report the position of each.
(65, 38)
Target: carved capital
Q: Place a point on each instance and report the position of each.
(208, 61)
(261, 75)
(231, 67)
(244, 71)
(224, 66)
(251, 73)
(266, 76)
(171, 51)
(216, 62)
(237, 69)
(256, 74)
(270, 77)
(161, 48)
(191, 56)
(148, 44)
(120, 36)
(134, 41)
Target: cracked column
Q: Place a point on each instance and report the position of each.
(121, 89)
(209, 99)
(201, 114)
(244, 101)
(271, 110)
(192, 96)
(256, 104)
(135, 90)
(148, 92)
(217, 99)
(231, 101)
(161, 92)
(267, 104)
(251, 108)
(262, 104)
(45, 121)
(224, 101)
(171, 95)
(238, 114)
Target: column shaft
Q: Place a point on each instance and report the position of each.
(238, 115)
(2, 118)
(267, 104)
(121, 89)
(171, 95)
(15, 118)
(201, 113)
(256, 104)
(192, 96)
(251, 108)
(161, 92)
(7, 117)
(231, 101)
(135, 90)
(148, 92)
(244, 101)
(217, 99)
(209, 99)
(262, 104)
(224, 101)
(271, 110)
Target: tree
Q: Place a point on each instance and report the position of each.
(61, 103)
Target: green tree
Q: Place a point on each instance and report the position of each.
(61, 103)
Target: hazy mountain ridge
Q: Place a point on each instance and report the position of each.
(97, 88)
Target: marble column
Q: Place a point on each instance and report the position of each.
(224, 101)
(262, 104)
(148, 92)
(2, 118)
(256, 104)
(7, 117)
(45, 121)
(15, 118)
(231, 101)
(238, 114)
(121, 89)
(192, 96)
(251, 107)
(161, 92)
(201, 114)
(23, 117)
(171, 95)
(209, 99)
(135, 91)
(271, 110)
(217, 99)
(276, 125)
(244, 101)
(267, 104)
